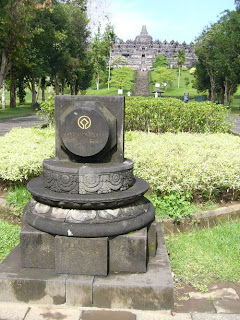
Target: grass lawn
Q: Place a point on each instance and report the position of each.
(9, 238)
(203, 256)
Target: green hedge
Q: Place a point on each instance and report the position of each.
(173, 115)
(204, 164)
(183, 162)
(22, 152)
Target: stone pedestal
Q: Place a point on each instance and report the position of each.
(89, 235)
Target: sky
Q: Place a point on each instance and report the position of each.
(165, 20)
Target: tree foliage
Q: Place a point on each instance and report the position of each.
(163, 75)
(218, 51)
(160, 61)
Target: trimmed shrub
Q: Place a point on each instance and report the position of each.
(204, 164)
(22, 152)
(172, 115)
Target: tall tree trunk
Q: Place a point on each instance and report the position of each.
(43, 87)
(97, 81)
(63, 86)
(72, 90)
(5, 67)
(39, 86)
(179, 75)
(3, 100)
(34, 93)
(13, 103)
(222, 95)
(76, 89)
(109, 68)
(213, 86)
(57, 86)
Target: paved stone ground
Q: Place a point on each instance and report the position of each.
(19, 122)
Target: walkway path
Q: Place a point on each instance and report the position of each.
(21, 122)
(142, 84)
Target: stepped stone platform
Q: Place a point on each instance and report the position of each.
(152, 290)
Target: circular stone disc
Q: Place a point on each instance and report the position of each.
(85, 132)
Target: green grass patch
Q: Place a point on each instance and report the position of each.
(21, 110)
(17, 197)
(204, 256)
(9, 238)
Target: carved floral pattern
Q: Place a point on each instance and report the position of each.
(60, 182)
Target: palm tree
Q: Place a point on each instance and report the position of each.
(181, 58)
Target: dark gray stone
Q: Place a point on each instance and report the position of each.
(85, 256)
(113, 111)
(85, 132)
(79, 291)
(30, 285)
(37, 248)
(152, 290)
(128, 252)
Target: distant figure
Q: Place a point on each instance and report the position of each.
(186, 97)
(129, 93)
(156, 94)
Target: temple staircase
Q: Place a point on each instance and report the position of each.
(142, 84)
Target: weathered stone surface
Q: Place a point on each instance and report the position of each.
(79, 291)
(45, 313)
(86, 256)
(13, 312)
(205, 316)
(152, 239)
(37, 248)
(29, 285)
(113, 111)
(227, 305)
(152, 290)
(128, 252)
(107, 315)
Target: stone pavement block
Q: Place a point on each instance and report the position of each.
(9, 311)
(37, 248)
(30, 285)
(107, 315)
(206, 316)
(227, 305)
(224, 293)
(194, 305)
(45, 313)
(128, 252)
(159, 315)
(152, 290)
(79, 290)
(85, 256)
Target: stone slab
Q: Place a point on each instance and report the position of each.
(205, 316)
(13, 312)
(29, 285)
(85, 256)
(152, 239)
(79, 291)
(128, 252)
(45, 313)
(37, 248)
(194, 305)
(152, 290)
(227, 305)
(107, 315)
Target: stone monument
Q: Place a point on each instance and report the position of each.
(89, 236)
(141, 52)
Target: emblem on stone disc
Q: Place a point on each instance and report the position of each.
(84, 122)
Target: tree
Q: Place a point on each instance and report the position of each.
(119, 61)
(181, 58)
(218, 52)
(160, 61)
(122, 77)
(163, 75)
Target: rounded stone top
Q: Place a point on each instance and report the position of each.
(85, 131)
(144, 37)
